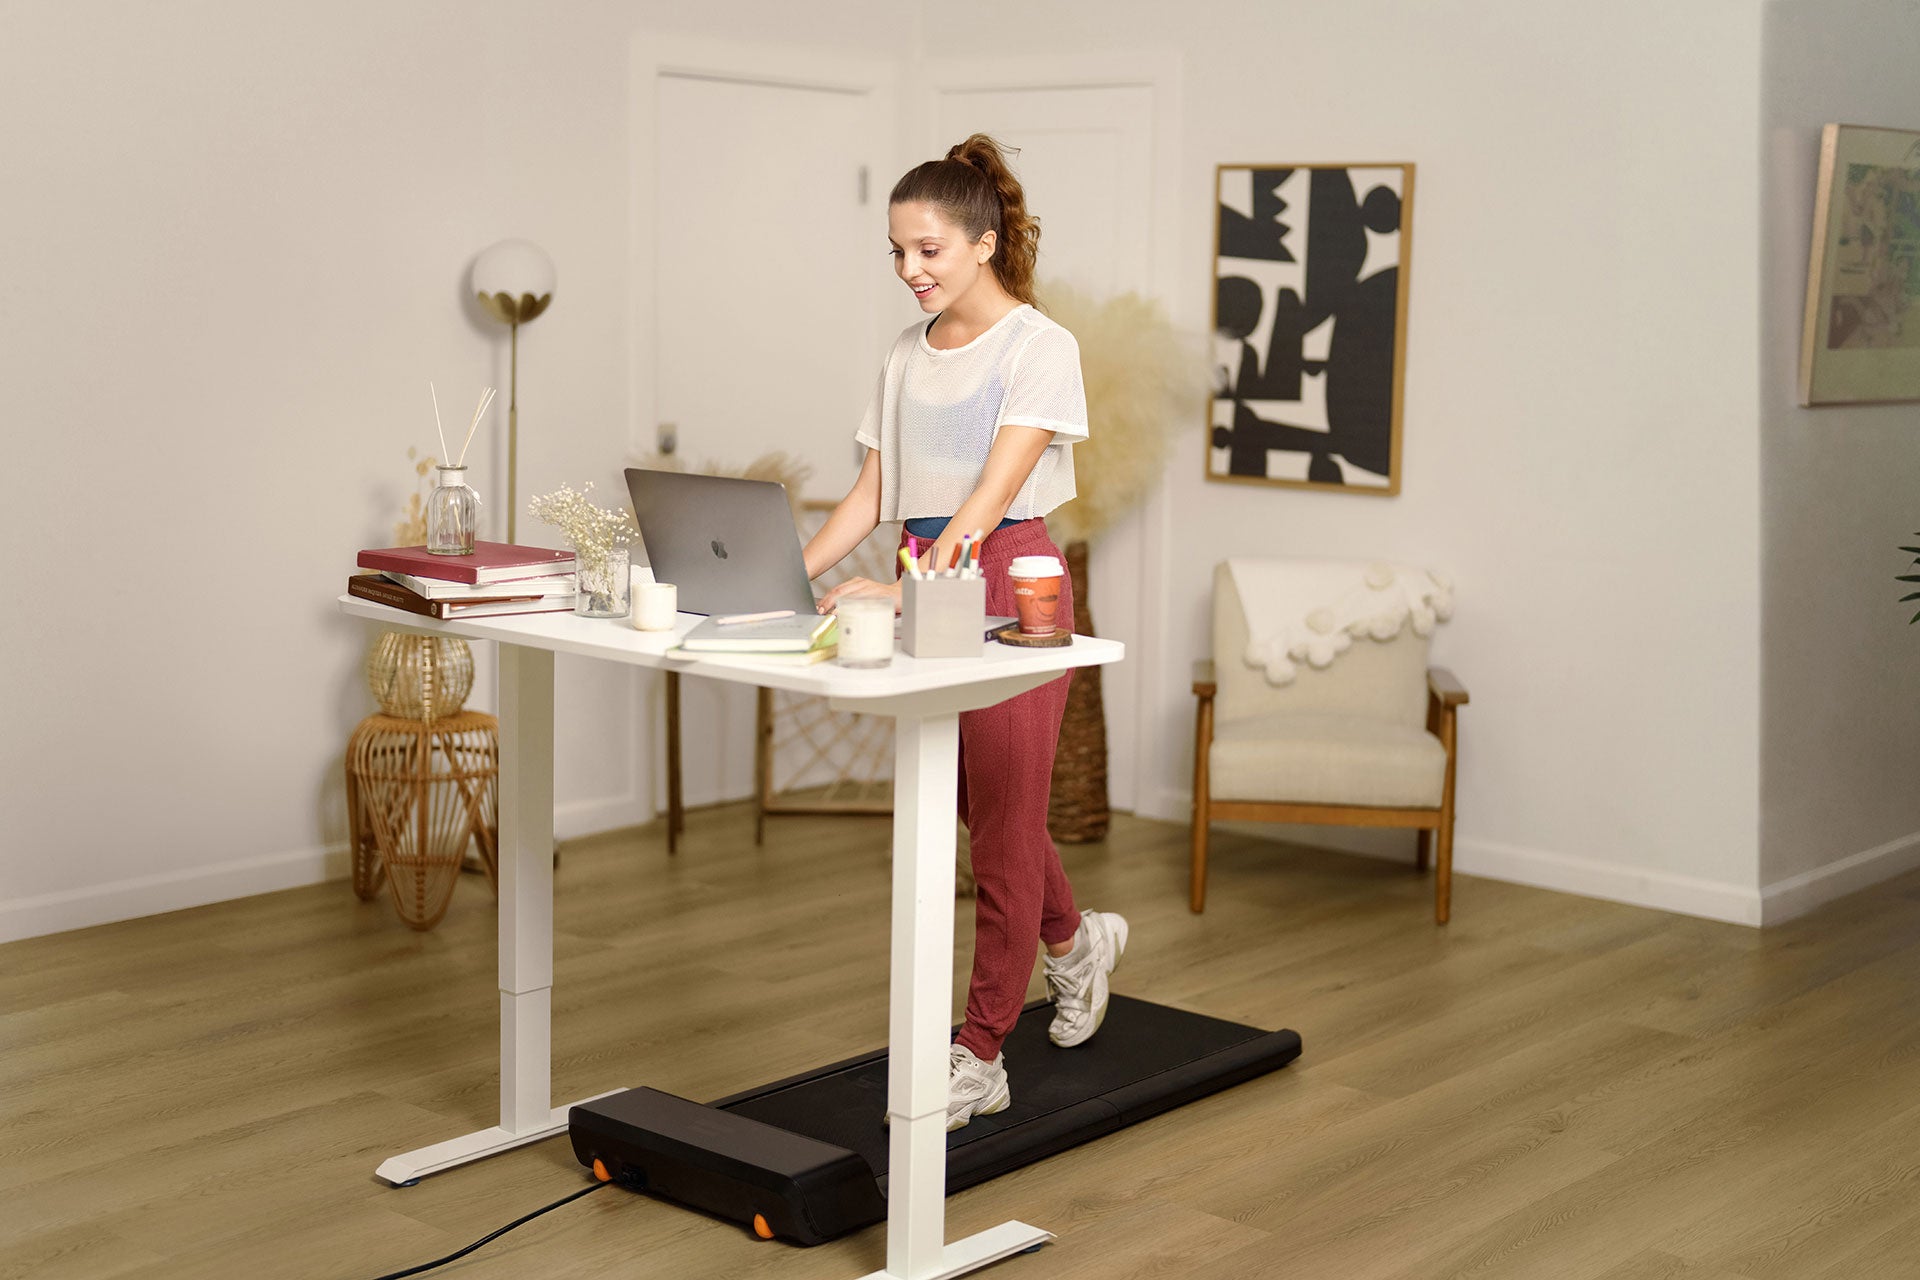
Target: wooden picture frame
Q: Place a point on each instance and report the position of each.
(1860, 336)
(1311, 264)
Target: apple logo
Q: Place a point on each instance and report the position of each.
(720, 548)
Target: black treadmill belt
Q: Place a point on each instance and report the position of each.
(1146, 1059)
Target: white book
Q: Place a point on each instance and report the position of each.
(796, 633)
(551, 584)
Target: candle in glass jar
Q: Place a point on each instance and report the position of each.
(866, 631)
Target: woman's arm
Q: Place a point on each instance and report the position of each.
(1015, 453)
(857, 516)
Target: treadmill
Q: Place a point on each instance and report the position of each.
(805, 1159)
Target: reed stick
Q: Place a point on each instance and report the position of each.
(436, 421)
(485, 400)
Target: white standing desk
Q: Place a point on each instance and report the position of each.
(924, 696)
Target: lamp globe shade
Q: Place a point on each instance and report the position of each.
(514, 280)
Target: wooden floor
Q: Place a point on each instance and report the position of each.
(1550, 1087)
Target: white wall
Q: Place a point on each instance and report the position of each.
(1579, 442)
(246, 246)
(1840, 666)
(237, 239)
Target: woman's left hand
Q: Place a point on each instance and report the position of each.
(860, 587)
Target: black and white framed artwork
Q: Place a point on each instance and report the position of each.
(1310, 318)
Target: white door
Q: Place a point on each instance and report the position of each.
(1084, 162)
(764, 303)
(769, 252)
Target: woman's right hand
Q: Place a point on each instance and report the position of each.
(860, 587)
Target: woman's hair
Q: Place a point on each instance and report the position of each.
(976, 191)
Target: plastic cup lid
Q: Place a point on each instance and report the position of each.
(1034, 567)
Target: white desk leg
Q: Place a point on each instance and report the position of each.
(527, 1113)
(926, 767)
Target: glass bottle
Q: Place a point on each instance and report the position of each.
(453, 509)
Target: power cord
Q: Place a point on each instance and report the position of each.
(452, 1257)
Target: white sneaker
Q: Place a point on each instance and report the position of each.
(1078, 979)
(974, 1088)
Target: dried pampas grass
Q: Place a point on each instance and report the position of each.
(1146, 380)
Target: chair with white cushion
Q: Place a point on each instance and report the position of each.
(1367, 740)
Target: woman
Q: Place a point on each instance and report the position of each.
(971, 429)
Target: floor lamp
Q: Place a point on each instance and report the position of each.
(514, 282)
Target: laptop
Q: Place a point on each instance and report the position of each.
(729, 545)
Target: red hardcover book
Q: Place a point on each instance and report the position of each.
(381, 590)
(490, 562)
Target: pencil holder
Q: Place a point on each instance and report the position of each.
(943, 617)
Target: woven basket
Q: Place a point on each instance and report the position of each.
(1077, 811)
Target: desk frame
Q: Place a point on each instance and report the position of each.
(926, 768)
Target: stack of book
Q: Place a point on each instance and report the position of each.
(498, 578)
(786, 638)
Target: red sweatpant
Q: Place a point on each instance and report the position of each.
(1006, 773)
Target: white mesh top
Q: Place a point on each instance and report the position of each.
(936, 413)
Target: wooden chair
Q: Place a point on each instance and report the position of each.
(1343, 745)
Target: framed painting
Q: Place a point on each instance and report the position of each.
(1310, 269)
(1860, 341)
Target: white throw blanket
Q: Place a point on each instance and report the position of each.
(1312, 609)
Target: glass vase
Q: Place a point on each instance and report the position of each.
(605, 584)
(453, 509)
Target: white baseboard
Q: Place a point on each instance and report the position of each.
(1795, 896)
(244, 877)
(173, 891)
(1636, 886)
(1167, 804)
(1563, 873)
(591, 817)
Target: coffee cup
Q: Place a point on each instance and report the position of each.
(1036, 593)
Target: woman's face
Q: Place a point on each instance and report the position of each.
(933, 256)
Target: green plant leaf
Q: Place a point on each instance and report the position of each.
(1914, 596)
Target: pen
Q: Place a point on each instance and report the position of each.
(735, 619)
(906, 565)
(913, 545)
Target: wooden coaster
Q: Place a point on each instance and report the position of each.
(1011, 635)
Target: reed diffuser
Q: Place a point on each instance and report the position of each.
(453, 508)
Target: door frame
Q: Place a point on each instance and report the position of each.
(653, 55)
(1158, 696)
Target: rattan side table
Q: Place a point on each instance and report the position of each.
(418, 791)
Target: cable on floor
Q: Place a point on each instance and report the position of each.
(453, 1257)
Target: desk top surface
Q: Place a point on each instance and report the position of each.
(616, 640)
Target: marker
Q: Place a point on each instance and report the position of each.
(906, 565)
